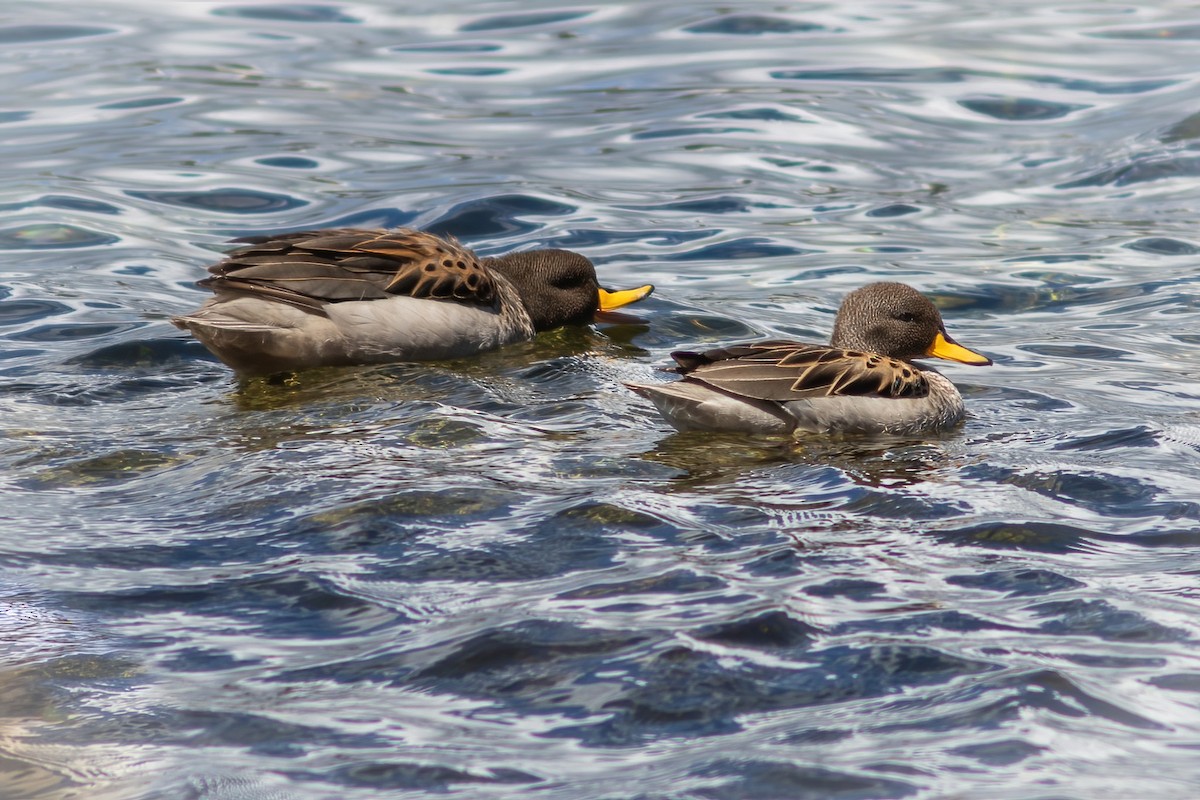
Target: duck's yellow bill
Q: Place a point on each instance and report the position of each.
(945, 347)
(623, 297)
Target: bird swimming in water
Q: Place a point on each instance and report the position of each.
(863, 381)
(345, 296)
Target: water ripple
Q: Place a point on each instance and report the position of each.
(504, 575)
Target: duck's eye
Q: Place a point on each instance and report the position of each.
(905, 316)
(569, 281)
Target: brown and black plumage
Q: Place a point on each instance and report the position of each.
(781, 370)
(311, 268)
(350, 296)
(863, 381)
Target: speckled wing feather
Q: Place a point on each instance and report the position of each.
(783, 371)
(311, 268)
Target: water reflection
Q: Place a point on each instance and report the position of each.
(708, 459)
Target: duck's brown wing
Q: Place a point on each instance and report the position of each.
(783, 371)
(312, 268)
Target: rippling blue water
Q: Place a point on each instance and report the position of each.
(507, 576)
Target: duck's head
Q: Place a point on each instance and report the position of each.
(895, 320)
(559, 287)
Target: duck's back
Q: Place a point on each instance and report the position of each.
(314, 268)
(346, 296)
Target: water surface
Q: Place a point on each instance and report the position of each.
(506, 575)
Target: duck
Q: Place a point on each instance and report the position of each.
(863, 382)
(346, 296)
